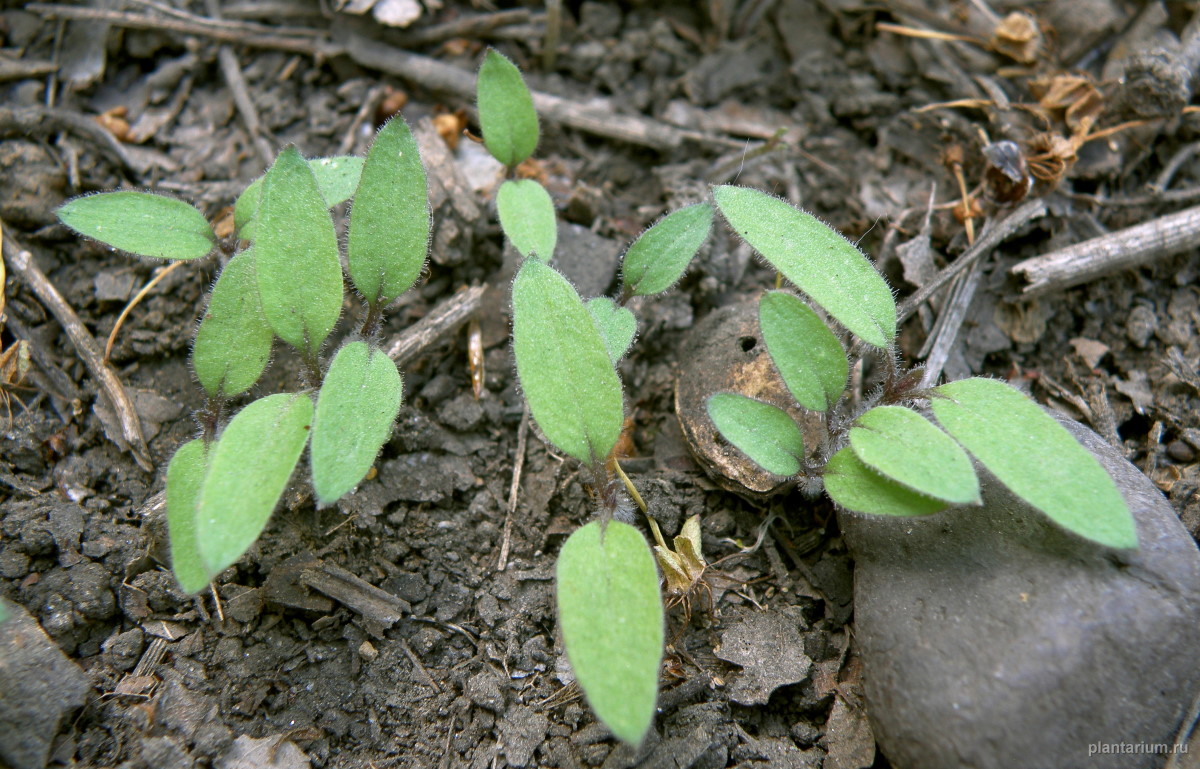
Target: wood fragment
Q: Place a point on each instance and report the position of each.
(598, 118)
(470, 26)
(20, 262)
(373, 603)
(441, 322)
(1121, 250)
(231, 70)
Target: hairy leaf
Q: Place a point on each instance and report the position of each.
(248, 470)
(389, 223)
(233, 342)
(907, 448)
(337, 177)
(296, 255)
(185, 478)
(141, 223)
(857, 487)
(617, 325)
(762, 431)
(358, 403)
(506, 115)
(527, 218)
(563, 364)
(1036, 458)
(815, 258)
(611, 617)
(809, 357)
(661, 254)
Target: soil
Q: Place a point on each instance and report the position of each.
(454, 660)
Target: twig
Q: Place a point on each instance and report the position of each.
(949, 322)
(46, 121)
(1186, 153)
(1091, 259)
(242, 33)
(446, 78)
(443, 320)
(514, 488)
(366, 111)
(232, 71)
(20, 261)
(995, 233)
(112, 335)
(475, 26)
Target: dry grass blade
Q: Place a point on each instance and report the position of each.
(112, 335)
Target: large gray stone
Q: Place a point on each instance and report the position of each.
(991, 638)
(39, 688)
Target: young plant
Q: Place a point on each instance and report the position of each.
(889, 458)
(610, 608)
(288, 283)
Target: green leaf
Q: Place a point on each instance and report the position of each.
(809, 357)
(611, 616)
(762, 431)
(185, 478)
(661, 254)
(857, 487)
(563, 364)
(248, 470)
(233, 342)
(389, 223)
(296, 254)
(815, 258)
(527, 218)
(358, 403)
(506, 115)
(141, 223)
(1036, 458)
(337, 178)
(617, 325)
(907, 448)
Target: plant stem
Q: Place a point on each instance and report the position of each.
(629, 487)
(373, 323)
(312, 370)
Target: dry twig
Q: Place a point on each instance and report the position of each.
(442, 321)
(20, 262)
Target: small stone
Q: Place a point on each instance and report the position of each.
(39, 688)
(113, 286)
(367, 651)
(1141, 325)
(1181, 452)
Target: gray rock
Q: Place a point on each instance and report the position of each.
(991, 638)
(39, 687)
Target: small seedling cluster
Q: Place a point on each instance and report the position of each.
(887, 458)
(287, 282)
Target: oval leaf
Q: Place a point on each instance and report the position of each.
(296, 255)
(389, 223)
(857, 487)
(527, 218)
(907, 448)
(358, 403)
(248, 470)
(611, 618)
(141, 223)
(185, 478)
(1036, 458)
(617, 325)
(233, 342)
(816, 259)
(563, 365)
(661, 254)
(506, 114)
(337, 178)
(762, 431)
(810, 359)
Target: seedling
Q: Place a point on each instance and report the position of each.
(610, 609)
(889, 458)
(288, 283)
